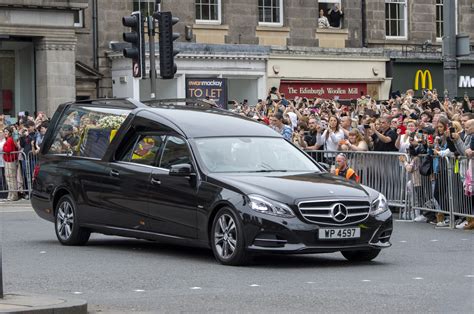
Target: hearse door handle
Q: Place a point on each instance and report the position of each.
(155, 181)
(114, 173)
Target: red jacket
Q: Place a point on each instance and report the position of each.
(8, 148)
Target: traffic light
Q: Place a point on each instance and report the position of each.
(136, 38)
(165, 24)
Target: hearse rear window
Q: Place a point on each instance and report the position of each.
(87, 131)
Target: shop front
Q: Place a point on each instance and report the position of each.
(313, 74)
(421, 74)
(221, 73)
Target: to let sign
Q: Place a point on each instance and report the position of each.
(213, 88)
(326, 90)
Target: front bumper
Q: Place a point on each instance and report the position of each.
(266, 233)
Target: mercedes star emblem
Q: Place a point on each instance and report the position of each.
(339, 212)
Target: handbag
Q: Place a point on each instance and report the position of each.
(426, 167)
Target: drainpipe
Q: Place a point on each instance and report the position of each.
(95, 41)
(364, 23)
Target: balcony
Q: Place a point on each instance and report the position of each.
(332, 37)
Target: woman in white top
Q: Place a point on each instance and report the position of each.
(403, 141)
(331, 138)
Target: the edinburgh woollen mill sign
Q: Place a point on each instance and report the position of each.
(211, 88)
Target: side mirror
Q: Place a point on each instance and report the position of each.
(181, 170)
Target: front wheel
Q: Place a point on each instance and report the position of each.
(361, 256)
(66, 224)
(227, 238)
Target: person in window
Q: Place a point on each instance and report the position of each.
(335, 16)
(323, 21)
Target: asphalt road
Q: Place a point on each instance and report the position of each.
(426, 270)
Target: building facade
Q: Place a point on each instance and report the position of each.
(52, 51)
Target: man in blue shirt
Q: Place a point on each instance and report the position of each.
(277, 124)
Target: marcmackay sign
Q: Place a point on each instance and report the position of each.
(208, 88)
(326, 90)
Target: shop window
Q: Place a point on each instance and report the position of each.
(79, 18)
(270, 12)
(208, 11)
(146, 7)
(440, 18)
(328, 6)
(7, 83)
(396, 22)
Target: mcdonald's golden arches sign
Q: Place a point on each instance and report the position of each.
(424, 77)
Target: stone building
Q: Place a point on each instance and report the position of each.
(52, 51)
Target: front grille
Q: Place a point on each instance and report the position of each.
(322, 211)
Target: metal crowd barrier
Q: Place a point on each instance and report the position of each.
(24, 165)
(441, 192)
(381, 171)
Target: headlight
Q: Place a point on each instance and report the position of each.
(267, 206)
(379, 206)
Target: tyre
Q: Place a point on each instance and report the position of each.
(361, 256)
(227, 239)
(66, 223)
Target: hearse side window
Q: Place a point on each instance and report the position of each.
(86, 131)
(145, 150)
(175, 152)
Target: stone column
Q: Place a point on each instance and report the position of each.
(55, 72)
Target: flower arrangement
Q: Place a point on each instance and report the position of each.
(111, 122)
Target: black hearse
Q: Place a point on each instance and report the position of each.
(189, 173)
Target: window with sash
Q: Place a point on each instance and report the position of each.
(396, 22)
(208, 11)
(270, 12)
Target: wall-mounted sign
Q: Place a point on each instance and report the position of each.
(329, 90)
(466, 81)
(424, 77)
(208, 88)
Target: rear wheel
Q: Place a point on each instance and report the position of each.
(361, 256)
(66, 223)
(227, 238)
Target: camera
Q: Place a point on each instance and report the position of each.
(366, 126)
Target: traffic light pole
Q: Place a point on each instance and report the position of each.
(151, 40)
(450, 66)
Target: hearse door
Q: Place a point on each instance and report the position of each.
(173, 199)
(126, 187)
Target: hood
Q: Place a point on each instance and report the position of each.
(294, 187)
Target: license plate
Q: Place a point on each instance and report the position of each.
(340, 233)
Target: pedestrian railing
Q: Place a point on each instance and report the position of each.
(441, 192)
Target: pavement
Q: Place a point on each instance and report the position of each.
(18, 302)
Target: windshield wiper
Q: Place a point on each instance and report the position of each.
(269, 170)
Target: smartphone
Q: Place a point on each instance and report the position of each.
(452, 130)
(366, 126)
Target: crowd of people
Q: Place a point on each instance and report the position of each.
(26, 135)
(416, 126)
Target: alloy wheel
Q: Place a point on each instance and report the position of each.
(65, 220)
(225, 236)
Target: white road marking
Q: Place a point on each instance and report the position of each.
(434, 240)
(43, 252)
(366, 280)
(469, 276)
(139, 290)
(417, 278)
(77, 292)
(254, 285)
(195, 288)
(464, 239)
(310, 282)
(403, 241)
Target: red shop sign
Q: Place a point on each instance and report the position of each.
(327, 90)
